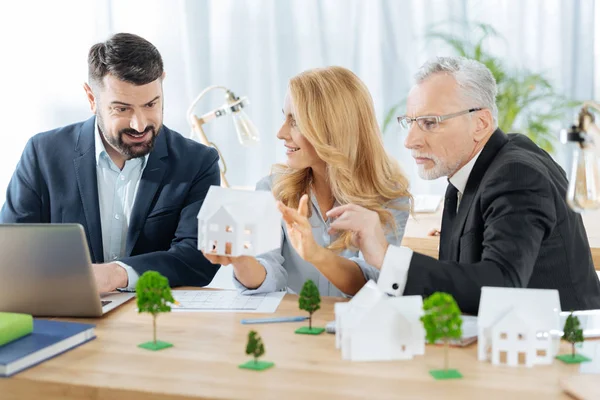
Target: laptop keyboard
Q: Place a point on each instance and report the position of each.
(105, 302)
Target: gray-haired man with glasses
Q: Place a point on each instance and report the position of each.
(505, 221)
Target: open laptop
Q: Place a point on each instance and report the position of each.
(46, 271)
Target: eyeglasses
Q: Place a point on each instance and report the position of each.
(430, 123)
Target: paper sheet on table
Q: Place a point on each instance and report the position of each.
(225, 301)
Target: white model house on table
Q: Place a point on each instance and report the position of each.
(234, 222)
(518, 326)
(375, 327)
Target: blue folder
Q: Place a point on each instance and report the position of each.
(48, 339)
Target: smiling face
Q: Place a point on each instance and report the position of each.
(300, 153)
(129, 116)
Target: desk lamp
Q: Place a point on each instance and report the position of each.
(584, 180)
(246, 131)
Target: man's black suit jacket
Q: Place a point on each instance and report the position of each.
(513, 229)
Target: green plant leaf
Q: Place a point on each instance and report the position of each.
(310, 300)
(487, 30)
(442, 318)
(153, 293)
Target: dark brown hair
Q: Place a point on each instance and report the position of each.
(130, 58)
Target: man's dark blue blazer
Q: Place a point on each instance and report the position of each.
(55, 182)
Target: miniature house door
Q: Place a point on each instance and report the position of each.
(221, 233)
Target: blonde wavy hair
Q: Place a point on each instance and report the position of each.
(334, 112)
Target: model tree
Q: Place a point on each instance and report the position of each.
(153, 296)
(310, 301)
(442, 321)
(256, 349)
(573, 334)
(255, 346)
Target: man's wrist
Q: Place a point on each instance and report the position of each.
(121, 277)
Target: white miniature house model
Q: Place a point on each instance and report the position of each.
(235, 222)
(375, 327)
(516, 326)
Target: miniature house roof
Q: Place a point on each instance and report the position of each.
(540, 308)
(373, 326)
(245, 206)
(383, 314)
(514, 318)
(367, 296)
(370, 295)
(222, 213)
(371, 299)
(411, 307)
(238, 214)
(402, 311)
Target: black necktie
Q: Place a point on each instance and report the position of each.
(450, 202)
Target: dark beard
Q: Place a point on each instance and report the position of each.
(129, 150)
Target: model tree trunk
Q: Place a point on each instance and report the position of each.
(310, 321)
(573, 350)
(154, 327)
(446, 354)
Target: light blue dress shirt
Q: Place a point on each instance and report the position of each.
(286, 270)
(116, 196)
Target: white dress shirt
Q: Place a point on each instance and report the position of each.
(116, 195)
(394, 270)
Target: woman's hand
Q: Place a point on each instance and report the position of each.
(226, 260)
(299, 230)
(248, 271)
(223, 260)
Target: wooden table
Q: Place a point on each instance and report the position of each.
(417, 228)
(209, 346)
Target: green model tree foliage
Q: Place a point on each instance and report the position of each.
(153, 295)
(255, 346)
(310, 300)
(442, 320)
(572, 332)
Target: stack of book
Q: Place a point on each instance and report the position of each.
(25, 341)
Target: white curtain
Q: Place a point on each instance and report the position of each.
(254, 46)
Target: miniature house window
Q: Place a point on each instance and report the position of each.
(542, 335)
(521, 336)
(228, 248)
(503, 357)
(213, 246)
(522, 358)
(540, 353)
(247, 245)
(503, 335)
(248, 230)
(228, 229)
(403, 348)
(213, 227)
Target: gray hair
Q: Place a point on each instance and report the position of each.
(475, 80)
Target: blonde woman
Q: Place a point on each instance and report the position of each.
(335, 156)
